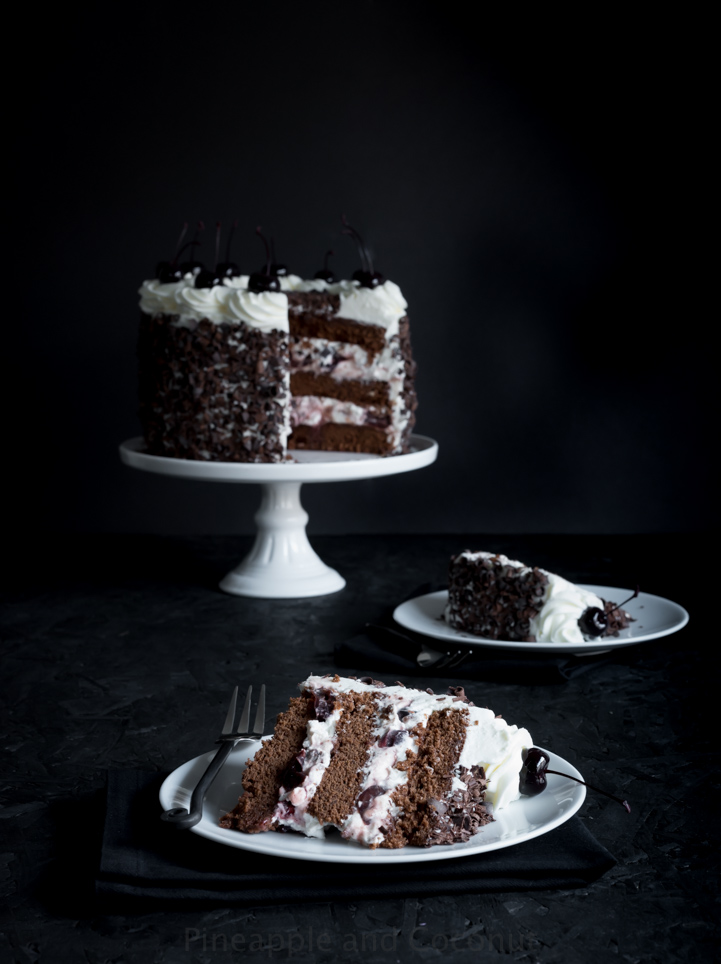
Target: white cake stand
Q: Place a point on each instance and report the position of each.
(282, 564)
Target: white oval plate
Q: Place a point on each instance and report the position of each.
(522, 820)
(654, 615)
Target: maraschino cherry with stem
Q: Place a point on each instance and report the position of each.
(228, 268)
(324, 273)
(594, 621)
(263, 280)
(533, 776)
(167, 271)
(206, 278)
(367, 277)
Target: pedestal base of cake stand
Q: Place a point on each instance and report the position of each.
(282, 564)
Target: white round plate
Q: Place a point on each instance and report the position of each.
(522, 820)
(654, 615)
(306, 467)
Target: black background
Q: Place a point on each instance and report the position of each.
(536, 187)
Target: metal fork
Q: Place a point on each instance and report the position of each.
(448, 660)
(184, 819)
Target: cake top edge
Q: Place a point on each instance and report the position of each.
(231, 301)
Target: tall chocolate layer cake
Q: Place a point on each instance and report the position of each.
(387, 766)
(227, 374)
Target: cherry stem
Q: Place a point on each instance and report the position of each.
(624, 803)
(329, 253)
(178, 249)
(217, 243)
(632, 596)
(267, 250)
(233, 226)
(196, 239)
(365, 257)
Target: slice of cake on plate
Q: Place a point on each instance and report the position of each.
(498, 598)
(387, 766)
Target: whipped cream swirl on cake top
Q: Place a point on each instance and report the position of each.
(229, 303)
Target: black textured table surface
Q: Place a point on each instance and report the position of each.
(119, 653)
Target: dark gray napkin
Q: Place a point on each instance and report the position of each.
(386, 646)
(143, 859)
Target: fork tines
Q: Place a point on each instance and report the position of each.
(243, 731)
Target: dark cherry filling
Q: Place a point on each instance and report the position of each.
(533, 776)
(392, 738)
(292, 776)
(366, 798)
(264, 280)
(365, 275)
(323, 705)
(594, 621)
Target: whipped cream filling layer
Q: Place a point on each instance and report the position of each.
(315, 757)
(344, 361)
(315, 411)
(490, 743)
(563, 604)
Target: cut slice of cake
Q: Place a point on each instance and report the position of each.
(495, 597)
(387, 766)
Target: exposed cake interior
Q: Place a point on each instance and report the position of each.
(387, 766)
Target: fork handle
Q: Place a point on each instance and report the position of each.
(183, 819)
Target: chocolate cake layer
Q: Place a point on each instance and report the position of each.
(430, 812)
(336, 796)
(313, 315)
(340, 438)
(348, 390)
(254, 810)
